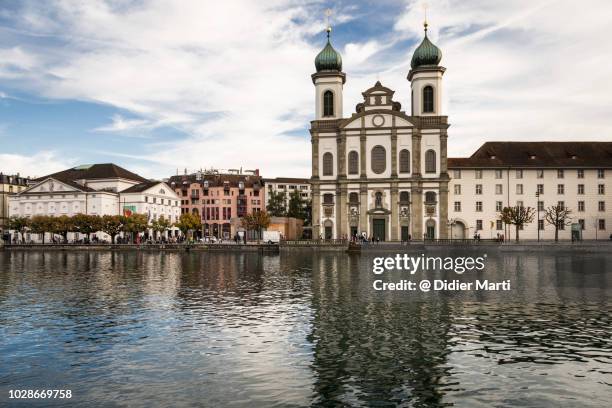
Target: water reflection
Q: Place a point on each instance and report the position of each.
(299, 329)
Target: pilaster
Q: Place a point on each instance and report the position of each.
(416, 153)
(316, 211)
(394, 150)
(394, 212)
(443, 209)
(315, 155)
(363, 208)
(342, 215)
(417, 211)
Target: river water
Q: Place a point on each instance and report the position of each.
(144, 329)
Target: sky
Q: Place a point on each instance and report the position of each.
(160, 86)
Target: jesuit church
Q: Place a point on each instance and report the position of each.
(381, 171)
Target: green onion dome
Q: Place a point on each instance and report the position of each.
(328, 59)
(426, 53)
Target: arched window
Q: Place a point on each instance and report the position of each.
(404, 161)
(404, 197)
(430, 161)
(328, 103)
(328, 164)
(379, 159)
(428, 99)
(378, 200)
(353, 198)
(353, 162)
(430, 197)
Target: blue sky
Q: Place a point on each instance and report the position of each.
(157, 86)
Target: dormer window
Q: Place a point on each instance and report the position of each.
(206, 184)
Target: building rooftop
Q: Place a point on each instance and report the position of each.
(293, 180)
(537, 155)
(216, 180)
(15, 180)
(93, 172)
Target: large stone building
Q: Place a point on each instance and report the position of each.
(219, 199)
(9, 185)
(381, 171)
(97, 189)
(575, 175)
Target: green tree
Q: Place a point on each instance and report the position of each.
(296, 206)
(87, 224)
(19, 224)
(160, 225)
(135, 224)
(256, 221)
(189, 222)
(276, 204)
(557, 216)
(518, 216)
(112, 225)
(39, 224)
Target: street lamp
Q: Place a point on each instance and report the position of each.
(538, 206)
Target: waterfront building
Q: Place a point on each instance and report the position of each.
(287, 185)
(381, 171)
(219, 199)
(9, 184)
(575, 175)
(97, 189)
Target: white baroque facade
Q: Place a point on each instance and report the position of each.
(380, 172)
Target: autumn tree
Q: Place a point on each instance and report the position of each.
(62, 225)
(135, 224)
(256, 221)
(558, 216)
(112, 225)
(518, 216)
(189, 222)
(40, 224)
(19, 224)
(87, 224)
(160, 225)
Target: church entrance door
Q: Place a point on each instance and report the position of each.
(378, 229)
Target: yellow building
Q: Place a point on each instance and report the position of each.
(8, 185)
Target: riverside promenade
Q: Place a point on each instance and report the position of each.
(591, 246)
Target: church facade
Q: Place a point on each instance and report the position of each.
(380, 172)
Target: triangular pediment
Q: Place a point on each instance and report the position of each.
(50, 185)
(377, 118)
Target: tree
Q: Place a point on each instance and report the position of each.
(308, 213)
(62, 225)
(39, 224)
(256, 221)
(276, 204)
(558, 215)
(19, 224)
(136, 223)
(518, 216)
(296, 206)
(189, 222)
(87, 224)
(161, 224)
(112, 225)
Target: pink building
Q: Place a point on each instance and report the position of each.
(219, 198)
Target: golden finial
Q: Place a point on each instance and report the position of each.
(425, 12)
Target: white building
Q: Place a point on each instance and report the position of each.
(98, 189)
(576, 175)
(287, 185)
(380, 171)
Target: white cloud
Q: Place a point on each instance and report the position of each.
(35, 165)
(120, 124)
(235, 75)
